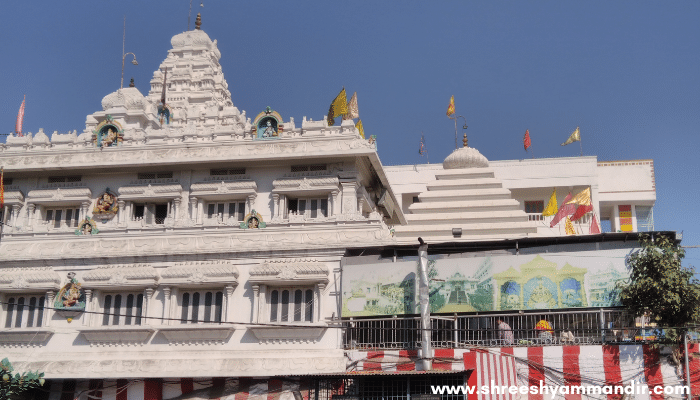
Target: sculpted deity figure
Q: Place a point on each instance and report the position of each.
(269, 130)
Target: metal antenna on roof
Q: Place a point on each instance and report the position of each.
(189, 15)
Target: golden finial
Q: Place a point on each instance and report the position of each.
(198, 22)
(465, 140)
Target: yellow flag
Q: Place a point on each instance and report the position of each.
(551, 208)
(359, 127)
(451, 107)
(574, 137)
(340, 104)
(583, 198)
(569, 227)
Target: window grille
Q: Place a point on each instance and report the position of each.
(123, 309)
(291, 305)
(230, 171)
(307, 168)
(25, 312)
(201, 306)
(64, 179)
(155, 175)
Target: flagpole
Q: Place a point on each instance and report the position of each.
(455, 118)
(580, 145)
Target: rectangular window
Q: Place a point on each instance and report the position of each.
(226, 211)
(291, 304)
(311, 208)
(24, 311)
(534, 210)
(534, 207)
(198, 307)
(62, 217)
(645, 218)
(150, 213)
(122, 309)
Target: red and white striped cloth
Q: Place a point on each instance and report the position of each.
(518, 366)
(192, 389)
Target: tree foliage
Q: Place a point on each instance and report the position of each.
(659, 284)
(11, 385)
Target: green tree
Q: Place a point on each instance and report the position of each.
(659, 285)
(12, 385)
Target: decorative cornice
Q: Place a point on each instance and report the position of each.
(136, 335)
(306, 183)
(25, 337)
(200, 272)
(121, 275)
(290, 334)
(17, 159)
(298, 271)
(39, 278)
(196, 334)
(223, 187)
(149, 191)
(59, 195)
(193, 241)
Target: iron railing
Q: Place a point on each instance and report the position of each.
(460, 331)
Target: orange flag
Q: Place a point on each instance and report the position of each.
(451, 107)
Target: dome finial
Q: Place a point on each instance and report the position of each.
(131, 83)
(198, 22)
(465, 140)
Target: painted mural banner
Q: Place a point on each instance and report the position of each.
(489, 283)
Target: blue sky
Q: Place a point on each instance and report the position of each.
(626, 72)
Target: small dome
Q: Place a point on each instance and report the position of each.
(191, 39)
(129, 98)
(465, 157)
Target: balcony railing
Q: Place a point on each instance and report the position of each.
(462, 331)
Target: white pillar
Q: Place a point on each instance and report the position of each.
(48, 312)
(256, 303)
(166, 306)
(276, 204)
(228, 292)
(147, 295)
(87, 316)
(30, 216)
(319, 294)
(121, 212)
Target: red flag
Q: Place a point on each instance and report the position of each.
(564, 211)
(526, 139)
(20, 118)
(595, 228)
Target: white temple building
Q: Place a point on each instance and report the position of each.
(187, 240)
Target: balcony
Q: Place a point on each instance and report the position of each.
(593, 326)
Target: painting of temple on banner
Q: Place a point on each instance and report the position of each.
(492, 283)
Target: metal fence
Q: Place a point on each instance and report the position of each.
(521, 329)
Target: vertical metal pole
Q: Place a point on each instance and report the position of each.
(424, 297)
(687, 366)
(602, 324)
